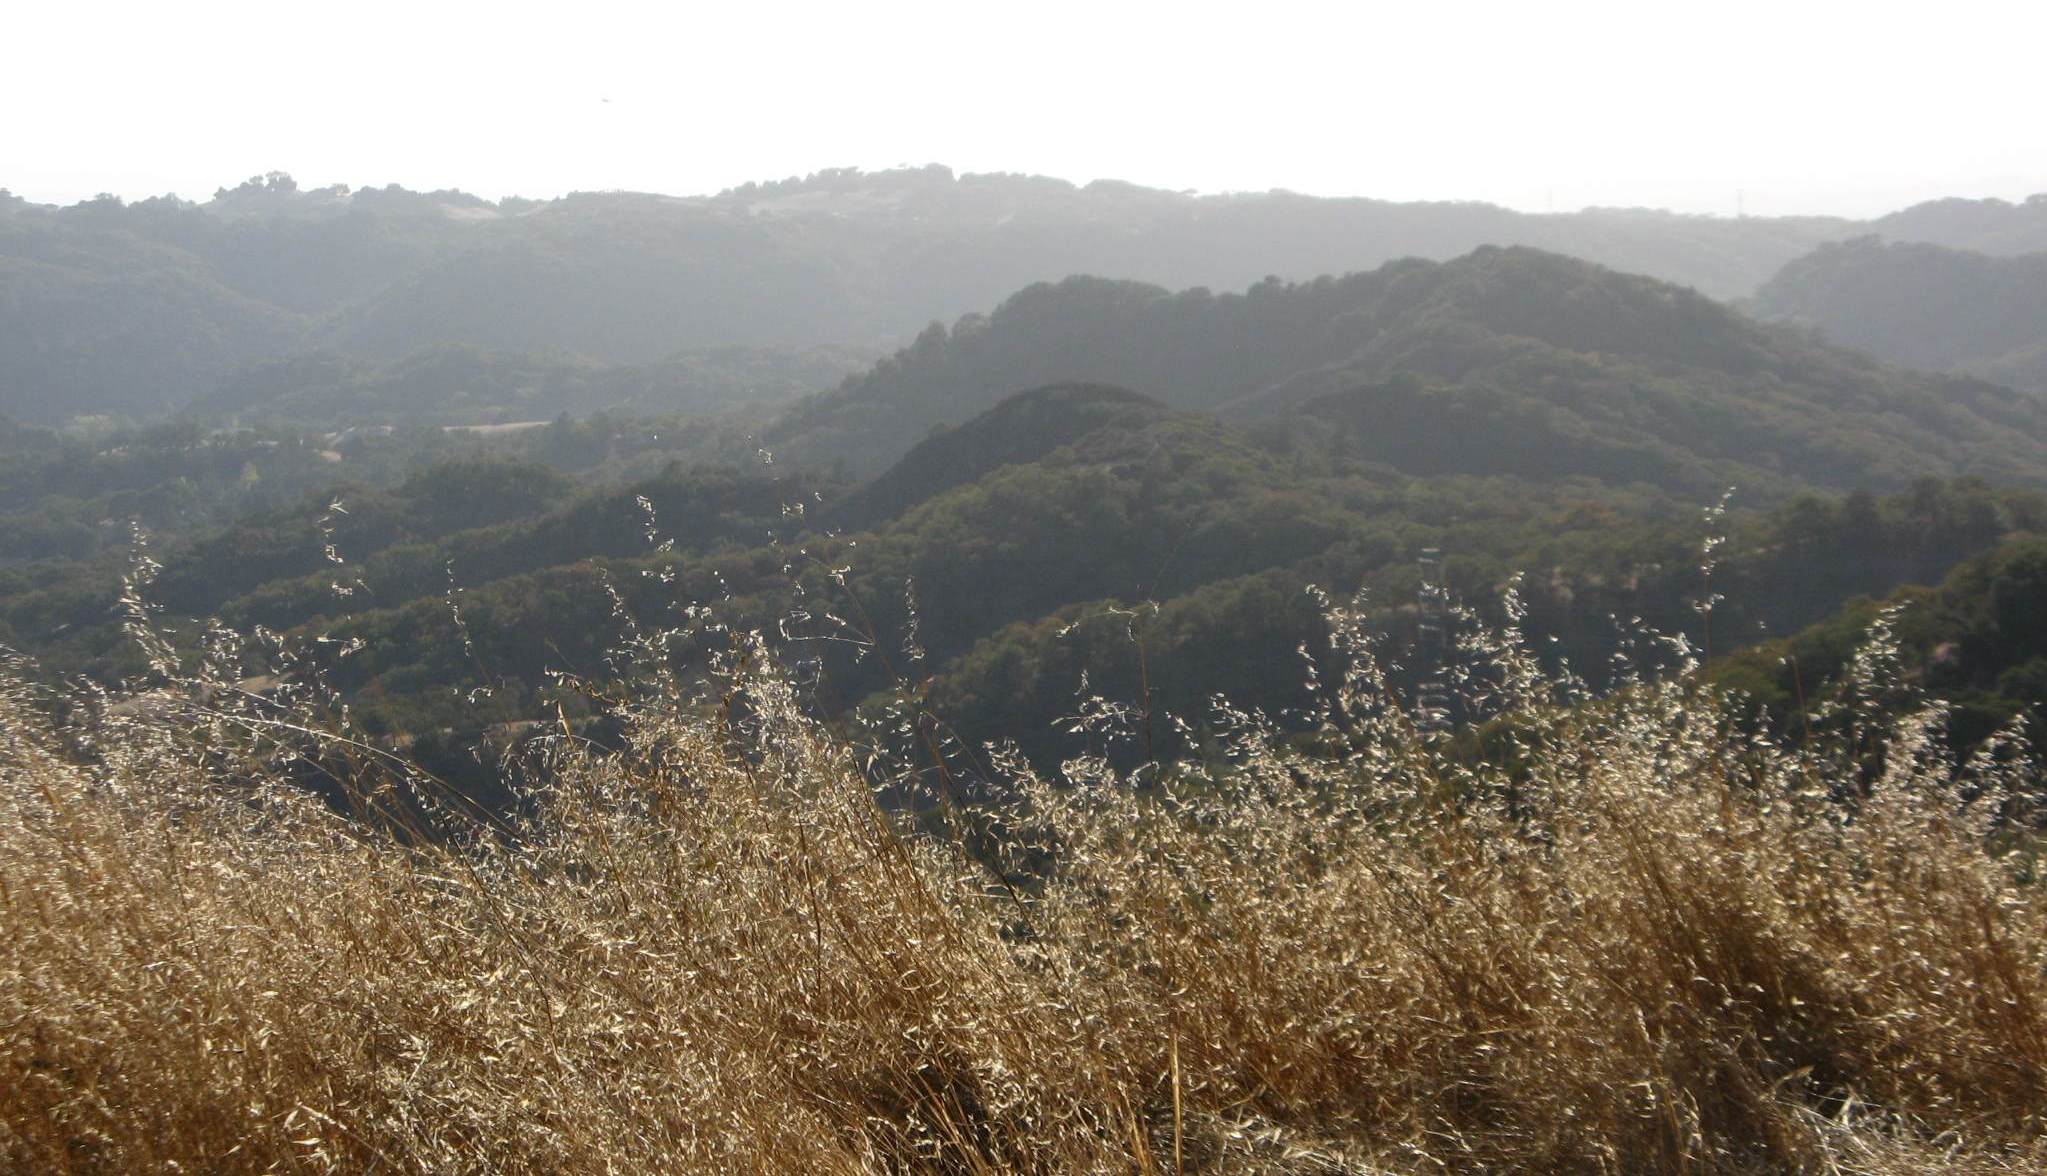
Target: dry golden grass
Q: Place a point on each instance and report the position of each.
(1668, 946)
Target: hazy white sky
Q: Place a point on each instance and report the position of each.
(1837, 107)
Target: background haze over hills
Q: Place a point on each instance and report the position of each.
(144, 309)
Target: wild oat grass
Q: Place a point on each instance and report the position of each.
(1649, 940)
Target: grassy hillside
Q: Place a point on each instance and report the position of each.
(1634, 936)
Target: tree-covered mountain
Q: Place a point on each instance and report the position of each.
(1993, 226)
(139, 308)
(1071, 532)
(461, 384)
(1505, 361)
(104, 321)
(1022, 428)
(1099, 477)
(1922, 305)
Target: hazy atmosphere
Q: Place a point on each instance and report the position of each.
(1834, 107)
(1430, 590)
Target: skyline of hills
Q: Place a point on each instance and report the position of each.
(1210, 447)
(1091, 445)
(140, 308)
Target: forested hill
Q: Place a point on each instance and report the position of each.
(1503, 361)
(1024, 428)
(1977, 639)
(139, 308)
(1923, 305)
(1011, 557)
(1993, 226)
(461, 384)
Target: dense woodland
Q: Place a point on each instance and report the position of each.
(142, 308)
(1115, 485)
(1922, 305)
(1502, 361)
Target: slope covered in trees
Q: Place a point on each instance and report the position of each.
(1063, 536)
(1994, 226)
(1502, 361)
(1024, 428)
(108, 322)
(460, 384)
(1975, 638)
(139, 308)
(1174, 475)
(1922, 305)
(70, 494)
